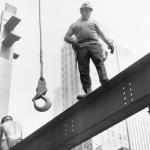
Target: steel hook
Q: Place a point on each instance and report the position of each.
(40, 92)
(45, 107)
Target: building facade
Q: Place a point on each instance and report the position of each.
(70, 81)
(57, 101)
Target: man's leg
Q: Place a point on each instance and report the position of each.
(97, 58)
(83, 63)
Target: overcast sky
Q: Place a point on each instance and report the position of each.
(126, 21)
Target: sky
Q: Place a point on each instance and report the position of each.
(125, 21)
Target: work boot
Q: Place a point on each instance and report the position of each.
(81, 97)
(104, 81)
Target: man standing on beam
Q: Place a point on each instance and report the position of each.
(86, 46)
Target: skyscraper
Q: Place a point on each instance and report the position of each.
(70, 81)
(139, 130)
(57, 105)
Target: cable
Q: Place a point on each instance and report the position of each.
(41, 88)
(41, 51)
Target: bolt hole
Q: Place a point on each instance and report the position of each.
(123, 87)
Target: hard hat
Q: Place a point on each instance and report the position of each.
(86, 5)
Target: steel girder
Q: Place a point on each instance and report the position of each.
(121, 97)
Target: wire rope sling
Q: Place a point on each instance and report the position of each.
(41, 87)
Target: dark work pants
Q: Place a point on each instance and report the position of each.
(84, 54)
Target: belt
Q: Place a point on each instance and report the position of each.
(87, 41)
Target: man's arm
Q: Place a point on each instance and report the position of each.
(71, 40)
(1, 134)
(108, 41)
(68, 37)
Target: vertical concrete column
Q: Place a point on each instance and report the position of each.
(6, 55)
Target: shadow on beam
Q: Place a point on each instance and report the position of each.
(122, 96)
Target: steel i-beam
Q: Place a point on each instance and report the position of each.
(123, 96)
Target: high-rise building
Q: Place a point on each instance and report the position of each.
(139, 130)
(57, 105)
(70, 81)
(6, 56)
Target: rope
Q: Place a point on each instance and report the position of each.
(41, 51)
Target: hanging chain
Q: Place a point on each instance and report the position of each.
(41, 51)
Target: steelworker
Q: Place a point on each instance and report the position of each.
(10, 133)
(83, 35)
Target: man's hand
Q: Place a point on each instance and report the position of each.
(105, 54)
(111, 47)
(75, 45)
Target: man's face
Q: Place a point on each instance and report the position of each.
(85, 13)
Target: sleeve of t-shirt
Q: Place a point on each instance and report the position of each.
(69, 35)
(70, 31)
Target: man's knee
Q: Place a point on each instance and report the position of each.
(98, 61)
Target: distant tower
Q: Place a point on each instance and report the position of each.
(70, 80)
(57, 102)
(8, 22)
